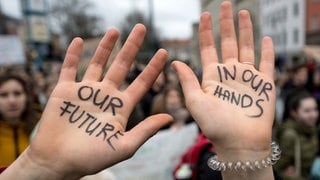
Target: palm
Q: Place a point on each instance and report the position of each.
(239, 104)
(101, 133)
(83, 126)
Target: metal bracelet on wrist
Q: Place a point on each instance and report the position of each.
(274, 156)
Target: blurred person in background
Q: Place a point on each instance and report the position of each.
(156, 88)
(43, 85)
(297, 80)
(17, 116)
(39, 88)
(315, 85)
(281, 78)
(171, 101)
(171, 76)
(137, 114)
(298, 137)
(315, 91)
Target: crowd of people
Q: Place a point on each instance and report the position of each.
(164, 88)
(297, 125)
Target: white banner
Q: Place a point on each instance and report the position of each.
(158, 156)
(11, 50)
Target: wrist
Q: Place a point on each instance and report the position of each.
(243, 151)
(234, 155)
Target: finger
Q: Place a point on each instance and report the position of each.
(207, 46)
(100, 57)
(147, 77)
(188, 80)
(208, 50)
(145, 129)
(70, 63)
(121, 65)
(267, 57)
(229, 48)
(246, 44)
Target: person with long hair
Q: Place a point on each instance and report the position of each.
(171, 101)
(298, 136)
(17, 117)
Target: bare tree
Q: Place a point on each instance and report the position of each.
(151, 42)
(74, 19)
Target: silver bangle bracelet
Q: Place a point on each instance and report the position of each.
(274, 156)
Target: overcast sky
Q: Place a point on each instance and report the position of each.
(11, 7)
(172, 18)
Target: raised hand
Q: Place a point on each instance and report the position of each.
(82, 129)
(235, 103)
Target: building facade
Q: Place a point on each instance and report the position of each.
(178, 49)
(313, 22)
(284, 21)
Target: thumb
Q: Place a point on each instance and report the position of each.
(188, 80)
(146, 129)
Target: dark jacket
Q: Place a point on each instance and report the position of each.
(296, 139)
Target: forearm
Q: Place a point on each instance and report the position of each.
(26, 168)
